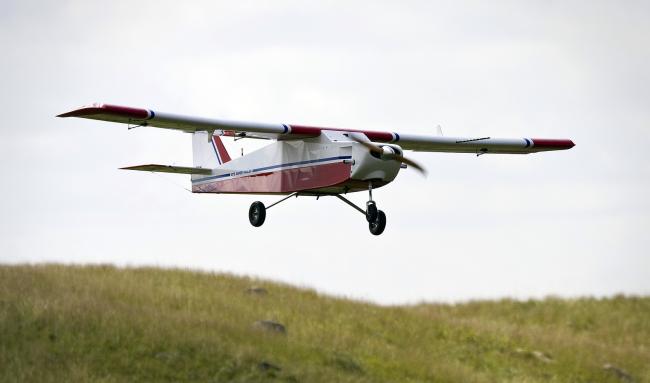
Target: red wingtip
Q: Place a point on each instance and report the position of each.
(116, 110)
(552, 144)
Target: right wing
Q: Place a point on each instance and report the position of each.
(190, 124)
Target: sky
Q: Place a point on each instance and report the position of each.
(571, 223)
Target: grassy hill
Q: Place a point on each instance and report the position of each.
(104, 324)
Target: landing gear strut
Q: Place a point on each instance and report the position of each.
(257, 211)
(376, 218)
(371, 206)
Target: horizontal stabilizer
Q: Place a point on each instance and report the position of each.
(169, 169)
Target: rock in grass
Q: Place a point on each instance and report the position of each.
(270, 326)
(542, 356)
(346, 363)
(256, 290)
(538, 355)
(166, 356)
(266, 366)
(620, 373)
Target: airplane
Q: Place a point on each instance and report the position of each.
(302, 160)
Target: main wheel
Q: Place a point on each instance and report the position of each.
(379, 224)
(257, 213)
(371, 211)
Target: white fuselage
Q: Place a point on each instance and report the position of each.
(331, 163)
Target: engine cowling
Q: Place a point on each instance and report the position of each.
(370, 165)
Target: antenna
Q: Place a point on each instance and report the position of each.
(439, 130)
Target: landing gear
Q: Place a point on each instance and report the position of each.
(375, 217)
(257, 214)
(257, 211)
(371, 206)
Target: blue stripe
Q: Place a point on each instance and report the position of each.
(286, 128)
(246, 172)
(396, 137)
(527, 142)
(153, 114)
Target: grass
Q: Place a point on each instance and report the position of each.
(105, 324)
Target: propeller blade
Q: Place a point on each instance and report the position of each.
(368, 145)
(412, 164)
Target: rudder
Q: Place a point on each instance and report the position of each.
(206, 153)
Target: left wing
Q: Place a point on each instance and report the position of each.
(477, 145)
(481, 145)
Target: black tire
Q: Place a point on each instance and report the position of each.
(379, 224)
(257, 214)
(371, 211)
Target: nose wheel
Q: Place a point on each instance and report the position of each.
(375, 217)
(378, 225)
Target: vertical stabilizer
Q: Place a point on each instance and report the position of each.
(208, 153)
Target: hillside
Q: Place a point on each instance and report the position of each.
(104, 324)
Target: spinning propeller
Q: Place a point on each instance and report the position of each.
(388, 153)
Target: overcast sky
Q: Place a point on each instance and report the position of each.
(569, 223)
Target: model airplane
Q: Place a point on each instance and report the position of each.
(303, 160)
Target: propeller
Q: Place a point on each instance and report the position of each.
(389, 154)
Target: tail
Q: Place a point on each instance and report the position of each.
(208, 153)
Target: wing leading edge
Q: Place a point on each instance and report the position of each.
(480, 145)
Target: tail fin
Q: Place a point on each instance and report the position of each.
(208, 153)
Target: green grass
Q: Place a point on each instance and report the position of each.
(105, 324)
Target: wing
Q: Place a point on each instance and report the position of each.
(190, 124)
(481, 145)
(478, 145)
